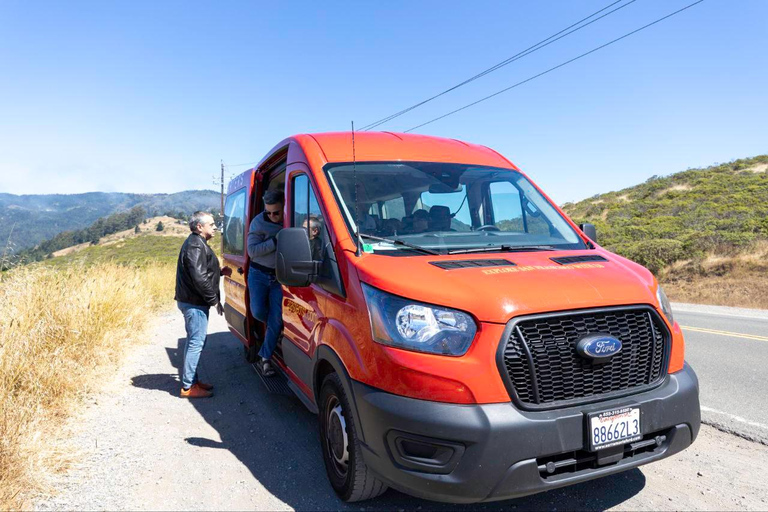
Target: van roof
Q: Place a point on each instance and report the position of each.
(389, 146)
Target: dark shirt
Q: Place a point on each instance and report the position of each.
(316, 246)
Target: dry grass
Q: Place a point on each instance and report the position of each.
(673, 188)
(738, 292)
(738, 280)
(60, 329)
(758, 168)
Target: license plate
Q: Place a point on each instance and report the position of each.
(613, 428)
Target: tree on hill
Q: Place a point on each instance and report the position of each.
(136, 229)
(159, 226)
(217, 217)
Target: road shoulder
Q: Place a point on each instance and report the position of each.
(141, 447)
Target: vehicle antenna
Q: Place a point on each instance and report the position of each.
(358, 241)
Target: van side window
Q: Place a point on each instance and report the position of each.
(306, 213)
(234, 223)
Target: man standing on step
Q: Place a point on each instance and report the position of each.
(265, 291)
(197, 289)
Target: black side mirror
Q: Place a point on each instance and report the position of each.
(589, 230)
(294, 265)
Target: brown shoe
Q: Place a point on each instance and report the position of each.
(203, 385)
(195, 392)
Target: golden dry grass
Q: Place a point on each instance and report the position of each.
(61, 329)
(737, 280)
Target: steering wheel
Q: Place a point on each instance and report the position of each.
(487, 227)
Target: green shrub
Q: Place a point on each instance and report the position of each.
(722, 209)
(653, 254)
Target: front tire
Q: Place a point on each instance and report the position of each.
(342, 453)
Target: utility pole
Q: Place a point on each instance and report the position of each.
(222, 189)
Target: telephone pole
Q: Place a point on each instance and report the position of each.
(222, 189)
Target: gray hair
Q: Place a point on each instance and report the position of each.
(197, 218)
(314, 222)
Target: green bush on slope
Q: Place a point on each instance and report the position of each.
(721, 209)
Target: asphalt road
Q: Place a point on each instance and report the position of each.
(728, 348)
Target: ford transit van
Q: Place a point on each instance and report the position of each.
(458, 336)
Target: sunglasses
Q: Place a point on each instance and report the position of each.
(273, 214)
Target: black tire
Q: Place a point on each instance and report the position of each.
(342, 454)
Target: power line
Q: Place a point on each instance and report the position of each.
(538, 46)
(555, 67)
(241, 165)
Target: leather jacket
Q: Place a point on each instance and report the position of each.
(197, 273)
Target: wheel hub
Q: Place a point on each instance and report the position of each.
(336, 437)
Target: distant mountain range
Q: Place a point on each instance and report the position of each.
(26, 220)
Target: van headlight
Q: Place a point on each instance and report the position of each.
(412, 325)
(666, 307)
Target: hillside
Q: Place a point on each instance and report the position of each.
(128, 247)
(704, 232)
(26, 220)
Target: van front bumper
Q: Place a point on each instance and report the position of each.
(473, 453)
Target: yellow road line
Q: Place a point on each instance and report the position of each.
(726, 333)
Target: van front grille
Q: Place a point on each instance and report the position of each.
(542, 368)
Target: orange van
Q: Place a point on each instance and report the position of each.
(458, 336)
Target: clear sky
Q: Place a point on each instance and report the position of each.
(149, 96)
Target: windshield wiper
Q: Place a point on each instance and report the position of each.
(394, 241)
(505, 248)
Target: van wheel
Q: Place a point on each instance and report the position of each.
(348, 473)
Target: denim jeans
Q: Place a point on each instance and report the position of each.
(266, 306)
(196, 324)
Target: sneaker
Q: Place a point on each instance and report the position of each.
(203, 385)
(195, 392)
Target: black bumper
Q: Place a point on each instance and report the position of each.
(472, 453)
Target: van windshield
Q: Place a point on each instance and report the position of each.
(446, 207)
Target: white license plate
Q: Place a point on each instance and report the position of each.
(613, 428)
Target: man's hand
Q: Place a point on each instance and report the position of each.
(219, 307)
(226, 271)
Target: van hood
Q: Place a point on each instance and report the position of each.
(529, 283)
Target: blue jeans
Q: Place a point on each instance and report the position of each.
(196, 324)
(267, 307)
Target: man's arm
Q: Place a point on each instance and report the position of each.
(194, 261)
(259, 244)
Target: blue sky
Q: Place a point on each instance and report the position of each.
(148, 96)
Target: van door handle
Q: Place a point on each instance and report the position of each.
(240, 270)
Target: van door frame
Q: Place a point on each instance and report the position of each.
(260, 178)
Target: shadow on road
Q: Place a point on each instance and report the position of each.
(276, 438)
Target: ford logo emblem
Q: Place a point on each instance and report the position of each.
(598, 346)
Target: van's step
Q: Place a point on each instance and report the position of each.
(277, 384)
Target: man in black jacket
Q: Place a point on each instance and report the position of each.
(197, 289)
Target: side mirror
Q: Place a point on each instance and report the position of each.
(294, 265)
(589, 230)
